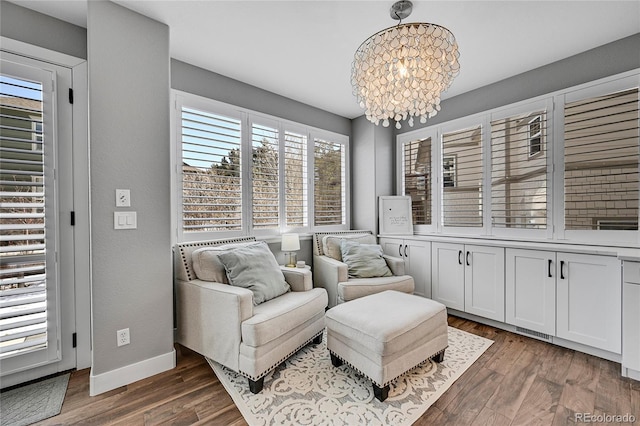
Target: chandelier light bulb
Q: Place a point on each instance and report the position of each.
(400, 72)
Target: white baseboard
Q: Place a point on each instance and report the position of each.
(110, 380)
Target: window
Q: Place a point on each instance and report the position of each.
(518, 175)
(417, 178)
(245, 174)
(211, 172)
(295, 175)
(601, 162)
(329, 183)
(462, 178)
(264, 177)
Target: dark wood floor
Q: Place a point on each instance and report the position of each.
(517, 381)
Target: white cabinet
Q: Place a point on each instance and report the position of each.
(530, 289)
(631, 320)
(417, 258)
(589, 300)
(469, 278)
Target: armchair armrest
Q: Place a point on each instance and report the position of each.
(396, 264)
(327, 273)
(210, 315)
(300, 279)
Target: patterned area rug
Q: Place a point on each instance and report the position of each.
(308, 390)
(31, 403)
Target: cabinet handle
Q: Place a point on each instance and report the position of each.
(562, 269)
(468, 264)
(460, 257)
(549, 269)
(400, 250)
(405, 250)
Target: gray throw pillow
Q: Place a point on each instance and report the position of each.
(364, 260)
(254, 267)
(331, 243)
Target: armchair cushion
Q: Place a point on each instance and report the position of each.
(206, 264)
(364, 260)
(254, 267)
(331, 243)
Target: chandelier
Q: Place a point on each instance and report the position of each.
(400, 72)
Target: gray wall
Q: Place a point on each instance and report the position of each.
(198, 81)
(41, 30)
(129, 149)
(603, 61)
(372, 171)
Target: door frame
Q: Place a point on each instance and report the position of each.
(81, 188)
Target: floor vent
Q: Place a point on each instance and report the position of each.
(532, 333)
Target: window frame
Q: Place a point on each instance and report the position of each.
(553, 103)
(248, 117)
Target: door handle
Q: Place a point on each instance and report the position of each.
(405, 250)
(468, 264)
(400, 250)
(460, 257)
(562, 269)
(549, 268)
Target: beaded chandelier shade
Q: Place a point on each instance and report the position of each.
(399, 73)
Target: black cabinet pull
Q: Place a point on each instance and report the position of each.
(562, 269)
(460, 257)
(468, 264)
(405, 250)
(549, 269)
(400, 250)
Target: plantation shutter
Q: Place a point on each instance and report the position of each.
(295, 176)
(264, 177)
(329, 183)
(601, 162)
(462, 178)
(417, 179)
(211, 172)
(23, 277)
(519, 171)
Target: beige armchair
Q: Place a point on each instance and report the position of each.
(332, 274)
(220, 321)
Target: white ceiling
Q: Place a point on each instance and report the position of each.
(303, 49)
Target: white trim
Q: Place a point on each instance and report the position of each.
(104, 382)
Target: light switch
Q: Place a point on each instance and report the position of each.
(125, 220)
(123, 198)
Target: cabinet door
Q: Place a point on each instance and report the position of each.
(589, 294)
(392, 246)
(418, 265)
(530, 290)
(447, 274)
(484, 281)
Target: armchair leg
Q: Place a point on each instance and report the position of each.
(317, 340)
(256, 386)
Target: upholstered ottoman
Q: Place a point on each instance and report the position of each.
(386, 334)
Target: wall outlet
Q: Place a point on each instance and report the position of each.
(123, 337)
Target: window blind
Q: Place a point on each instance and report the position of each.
(462, 178)
(329, 183)
(601, 162)
(211, 172)
(519, 171)
(264, 177)
(23, 280)
(417, 179)
(295, 179)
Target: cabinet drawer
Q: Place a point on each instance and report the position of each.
(631, 272)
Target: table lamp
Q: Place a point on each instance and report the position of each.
(290, 244)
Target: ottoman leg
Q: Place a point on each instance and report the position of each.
(380, 393)
(317, 340)
(439, 357)
(335, 361)
(256, 386)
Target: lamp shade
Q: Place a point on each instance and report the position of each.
(290, 242)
